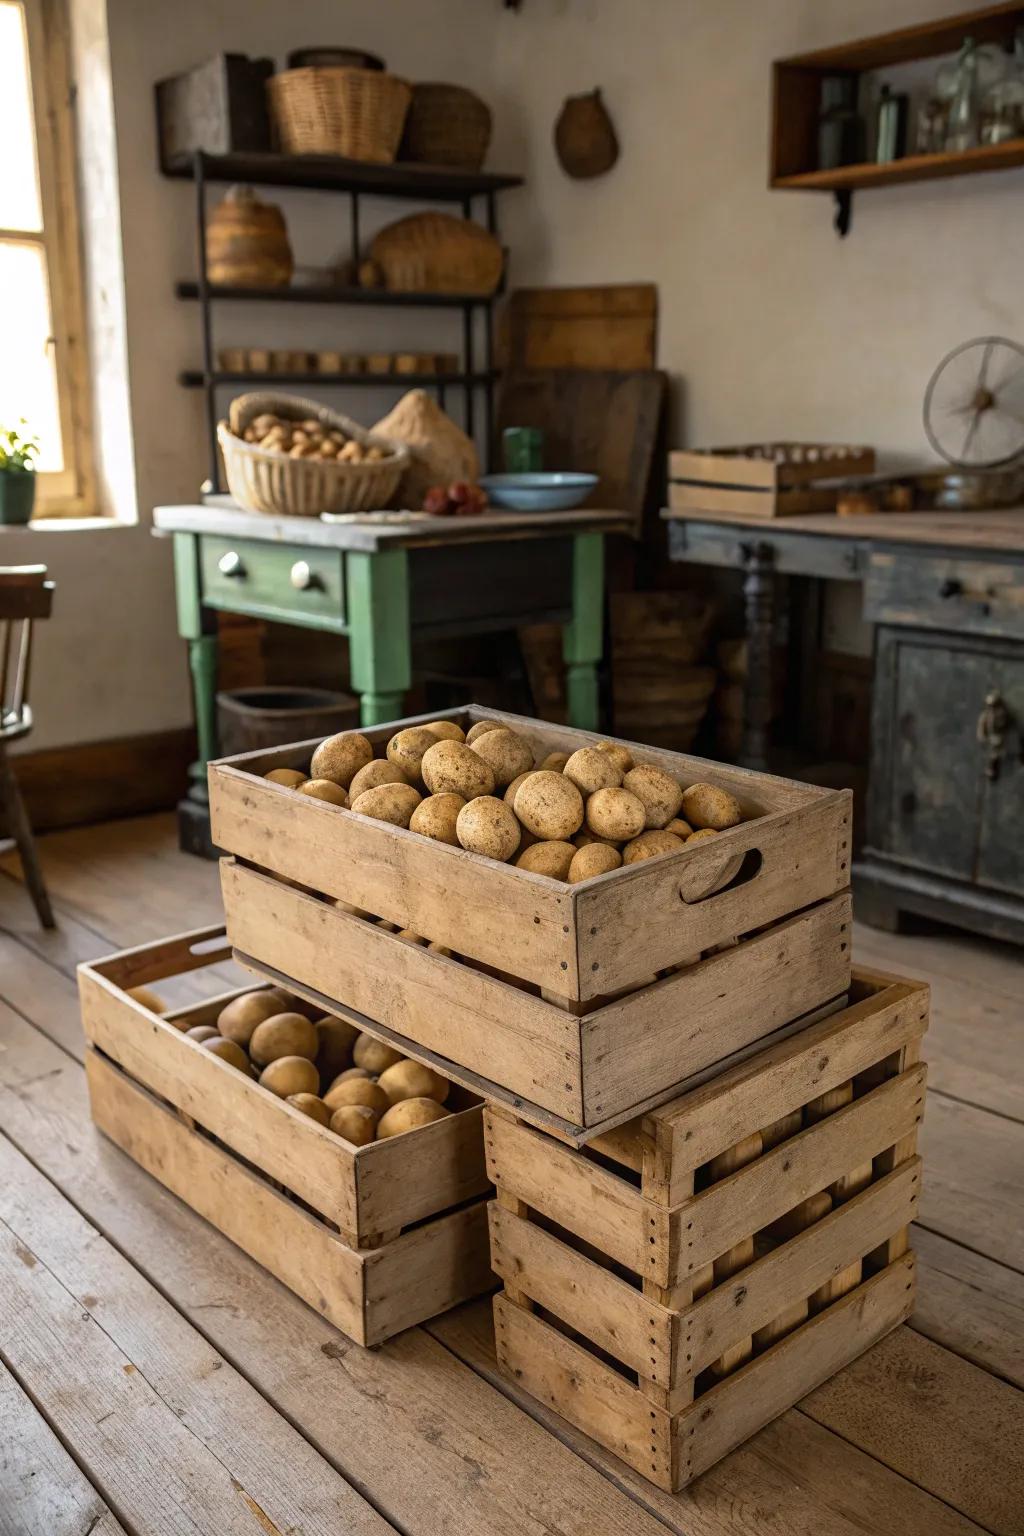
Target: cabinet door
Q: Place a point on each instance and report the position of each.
(1001, 832)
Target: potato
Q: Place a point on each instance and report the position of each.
(285, 1034)
(649, 844)
(286, 1075)
(660, 793)
(436, 817)
(374, 1055)
(450, 767)
(620, 756)
(349, 1072)
(340, 757)
(240, 1017)
(325, 789)
(408, 1116)
(388, 802)
(549, 805)
(486, 825)
(590, 769)
(555, 761)
(679, 827)
(380, 771)
(506, 754)
(357, 1090)
(406, 749)
(439, 949)
(412, 1080)
(446, 730)
(705, 806)
(148, 999)
(615, 813)
(695, 837)
(355, 1123)
(309, 1104)
(291, 778)
(410, 936)
(227, 1050)
(584, 839)
(480, 729)
(509, 796)
(335, 1039)
(550, 858)
(201, 1032)
(594, 859)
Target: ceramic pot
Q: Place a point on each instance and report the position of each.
(585, 137)
(17, 496)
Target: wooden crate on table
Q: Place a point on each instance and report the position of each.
(582, 1026)
(376, 1238)
(762, 479)
(690, 1276)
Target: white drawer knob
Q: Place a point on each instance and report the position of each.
(301, 576)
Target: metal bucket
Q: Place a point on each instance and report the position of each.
(250, 719)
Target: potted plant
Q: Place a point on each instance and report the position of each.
(17, 475)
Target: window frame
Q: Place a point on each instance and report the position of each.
(69, 492)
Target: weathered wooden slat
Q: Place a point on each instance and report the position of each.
(970, 1304)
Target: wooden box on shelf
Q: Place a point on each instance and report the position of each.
(376, 1238)
(580, 1003)
(762, 479)
(685, 1279)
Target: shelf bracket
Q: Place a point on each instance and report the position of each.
(843, 212)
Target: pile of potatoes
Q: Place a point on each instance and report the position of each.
(569, 818)
(354, 1085)
(309, 440)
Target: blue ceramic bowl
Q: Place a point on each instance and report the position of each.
(539, 491)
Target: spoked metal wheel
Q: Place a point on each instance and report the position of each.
(974, 404)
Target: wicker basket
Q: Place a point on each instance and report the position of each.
(437, 253)
(358, 113)
(446, 125)
(261, 481)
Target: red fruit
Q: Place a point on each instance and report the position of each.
(460, 491)
(436, 501)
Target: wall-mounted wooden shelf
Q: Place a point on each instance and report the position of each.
(796, 106)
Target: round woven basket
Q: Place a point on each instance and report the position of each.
(437, 253)
(446, 125)
(263, 481)
(358, 113)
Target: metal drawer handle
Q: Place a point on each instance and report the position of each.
(231, 564)
(993, 724)
(302, 578)
(951, 587)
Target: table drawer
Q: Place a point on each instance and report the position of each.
(984, 597)
(293, 583)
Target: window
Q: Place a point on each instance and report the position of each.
(42, 362)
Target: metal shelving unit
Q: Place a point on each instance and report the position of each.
(327, 173)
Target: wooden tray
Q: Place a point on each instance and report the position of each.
(762, 479)
(644, 1252)
(576, 942)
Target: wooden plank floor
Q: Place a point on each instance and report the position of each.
(156, 1382)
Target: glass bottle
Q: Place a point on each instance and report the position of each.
(840, 125)
(962, 127)
(891, 137)
(1002, 107)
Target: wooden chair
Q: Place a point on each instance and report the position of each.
(25, 595)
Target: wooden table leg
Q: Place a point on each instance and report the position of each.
(379, 642)
(583, 639)
(197, 625)
(759, 597)
(12, 808)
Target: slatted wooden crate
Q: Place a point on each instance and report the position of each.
(762, 479)
(684, 1280)
(561, 996)
(376, 1238)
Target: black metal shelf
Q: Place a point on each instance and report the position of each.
(196, 379)
(333, 173)
(337, 295)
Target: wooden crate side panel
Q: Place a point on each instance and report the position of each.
(405, 1178)
(436, 1266)
(639, 1046)
(699, 1125)
(765, 1189)
(600, 1402)
(289, 1146)
(492, 1028)
(720, 468)
(732, 1411)
(147, 963)
(747, 501)
(506, 917)
(593, 1301)
(805, 858)
(763, 1291)
(571, 1190)
(299, 1250)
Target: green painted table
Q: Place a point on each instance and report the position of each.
(383, 585)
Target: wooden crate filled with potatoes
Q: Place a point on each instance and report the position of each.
(570, 924)
(351, 1172)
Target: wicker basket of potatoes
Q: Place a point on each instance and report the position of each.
(569, 817)
(286, 455)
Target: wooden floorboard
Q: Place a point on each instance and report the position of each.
(425, 1427)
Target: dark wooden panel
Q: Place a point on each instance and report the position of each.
(984, 597)
(99, 780)
(611, 326)
(489, 586)
(1001, 833)
(793, 554)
